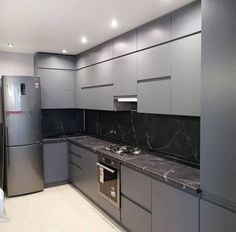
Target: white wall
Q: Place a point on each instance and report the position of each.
(15, 64)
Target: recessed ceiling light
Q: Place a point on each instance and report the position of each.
(64, 51)
(114, 23)
(84, 40)
(10, 45)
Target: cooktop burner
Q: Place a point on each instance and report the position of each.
(121, 150)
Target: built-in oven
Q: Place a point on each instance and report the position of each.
(109, 179)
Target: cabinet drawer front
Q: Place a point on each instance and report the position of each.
(75, 159)
(135, 218)
(154, 62)
(136, 186)
(76, 149)
(75, 175)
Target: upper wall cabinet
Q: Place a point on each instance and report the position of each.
(125, 43)
(155, 32)
(186, 20)
(186, 76)
(124, 72)
(83, 60)
(54, 61)
(154, 62)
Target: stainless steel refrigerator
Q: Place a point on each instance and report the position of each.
(23, 139)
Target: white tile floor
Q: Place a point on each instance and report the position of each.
(56, 209)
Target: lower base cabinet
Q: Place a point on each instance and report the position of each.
(173, 209)
(55, 161)
(216, 219)
(135, 218)
(75, 175)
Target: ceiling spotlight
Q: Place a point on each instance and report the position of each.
(10, 45)
(64, 51)
(84, 40)
(114, 23)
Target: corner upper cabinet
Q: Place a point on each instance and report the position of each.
(186, 76)
(186, 20)
(124, 72)
(125, 43)
(173, 209)
(155, 32)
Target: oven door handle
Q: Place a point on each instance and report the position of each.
(106, 168)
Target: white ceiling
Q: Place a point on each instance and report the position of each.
(53, 25)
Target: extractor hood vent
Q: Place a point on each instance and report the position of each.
(125, 103)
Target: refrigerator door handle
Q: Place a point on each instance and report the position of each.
(6, 141)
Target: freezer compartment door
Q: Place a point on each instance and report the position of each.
(24, 169)
(22, 110)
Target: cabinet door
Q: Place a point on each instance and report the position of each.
(82, 60)
(55, 162)
(154, 62)
(186, 76)
(124, 72)
(138, 191)
(154, 96)
(56, 61)
(186, 20)
(125, 43)
(134, 217)
(76, 176)
(155, 32)
(216, 219)
(173, 209)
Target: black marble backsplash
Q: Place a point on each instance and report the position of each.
(61, 122)
(175, 136)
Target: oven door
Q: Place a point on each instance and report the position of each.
(109, 184)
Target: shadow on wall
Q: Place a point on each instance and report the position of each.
(176, 136)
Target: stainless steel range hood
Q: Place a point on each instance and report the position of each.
(125, 103)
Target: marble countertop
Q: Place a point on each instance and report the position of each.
(154, 165)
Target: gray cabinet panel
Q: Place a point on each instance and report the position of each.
(56, 61)
(216, 219)
(55, 161)
(155, 32)
(173, 209)
(154, 96)
(125, 43)
(124, 72)
(136, 186)
(154, 62)
(186, 76)
(56, 79)
(56, 99)
(75, 174)
(133, 217)
(75, 159)
(218, 100)
(83, 60)
(186, 20)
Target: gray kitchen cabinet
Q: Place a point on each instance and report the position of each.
(154, 96)
(186, 76)
(154, 62)
(126, 43)
(83, 60)
(133, 217)
(96, 75)
(173, 209)
(136, 186)
(54, 61)
(55, 161)
(216, 219)
(124, 72)
(186, 20)
(84, 175)
(155, 32)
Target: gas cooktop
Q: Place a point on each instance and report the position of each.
(121, 150)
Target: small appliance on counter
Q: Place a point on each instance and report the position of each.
(22, 132)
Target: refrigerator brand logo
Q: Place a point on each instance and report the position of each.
(18, 112)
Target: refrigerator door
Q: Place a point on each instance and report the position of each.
(24, 169)
(22, 110)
